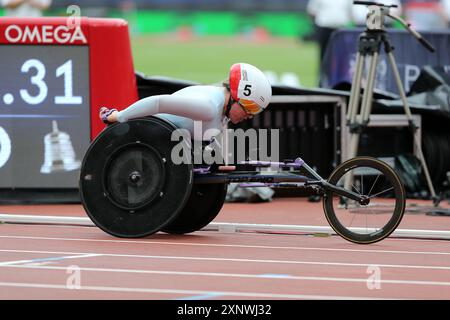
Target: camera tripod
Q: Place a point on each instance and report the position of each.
(369, 46)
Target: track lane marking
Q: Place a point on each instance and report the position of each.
(226, 245)
(189, 292)
(19, 262)
(340, 264)
(235, 275)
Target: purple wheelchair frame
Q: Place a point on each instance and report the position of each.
(282, 179)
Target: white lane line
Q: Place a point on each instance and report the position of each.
(237, 275)
(188, 292)
(390, 239)
(32, 261)
(338, 264)
(173, 243)
(228, 227)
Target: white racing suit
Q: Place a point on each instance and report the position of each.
(182, 108)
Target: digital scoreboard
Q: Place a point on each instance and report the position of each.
(54, 77)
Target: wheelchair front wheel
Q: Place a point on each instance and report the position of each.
(375, 221)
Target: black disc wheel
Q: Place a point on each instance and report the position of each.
(129, 185)
(134, 176)
(375, 220)
(203, 206)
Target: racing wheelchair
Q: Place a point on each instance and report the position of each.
(131, 188)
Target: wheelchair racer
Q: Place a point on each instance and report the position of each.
(246, 93)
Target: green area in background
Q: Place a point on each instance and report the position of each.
(155, 21)
(216, 22)
(208, 59)
(284, 24)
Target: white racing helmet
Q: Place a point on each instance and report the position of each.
(250, 87)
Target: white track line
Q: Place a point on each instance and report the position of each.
(187, 292)
(227, 226)
(236, 275)
(174, 243)
(9, 263)
(338, 264)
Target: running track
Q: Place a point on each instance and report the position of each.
(74, 262)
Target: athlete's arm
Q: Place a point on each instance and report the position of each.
(189, 107)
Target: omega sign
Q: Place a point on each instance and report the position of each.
(44, 34)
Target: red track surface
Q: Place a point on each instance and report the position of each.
(45, 262)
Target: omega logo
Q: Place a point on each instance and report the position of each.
(44, 34)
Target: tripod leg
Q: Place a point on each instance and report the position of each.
(366, 104)
(356, 89)
(409, 116)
